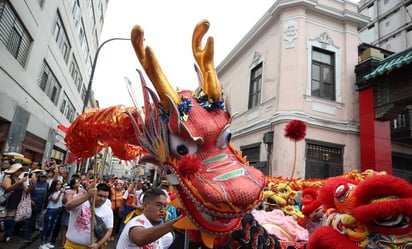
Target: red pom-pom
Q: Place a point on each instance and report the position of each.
(189, 165)
(295, 130)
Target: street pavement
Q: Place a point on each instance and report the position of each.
(14, 243)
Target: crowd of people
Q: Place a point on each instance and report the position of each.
(135, 214)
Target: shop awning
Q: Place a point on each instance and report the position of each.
(390, 63)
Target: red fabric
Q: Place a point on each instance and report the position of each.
(172, 196)
(71, 158)
(291, 244)
(62, 128)
(381, 187)
(326, 237)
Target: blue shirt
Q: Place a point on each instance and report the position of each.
(38, 194)
(57, 204)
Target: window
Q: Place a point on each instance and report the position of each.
(81, 34)
(83, 93)
(101, 13)
(57, 29)
(61, 38)
(76, 11)
(323, 159)
(43, 81)
(67, 108)
(371, 11)
(252, 152)
(13, 34)
(75, 73)
(63, 105)
(89, 66)
(64, 50)
(96, 39)
(83, 41)
(79, 81)
(255, 89)
(92, 21)
(401, 166)
(323, 74)
(48, 83)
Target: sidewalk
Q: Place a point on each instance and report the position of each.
(14, 243)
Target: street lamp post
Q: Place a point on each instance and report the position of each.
(89, 87)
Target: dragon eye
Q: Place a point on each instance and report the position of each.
(342, 192)
(180, 147)
(224, 138)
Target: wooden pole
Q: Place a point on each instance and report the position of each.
(103, 163)
(186, 244)
(92, 202)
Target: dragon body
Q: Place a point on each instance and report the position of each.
(187, 135)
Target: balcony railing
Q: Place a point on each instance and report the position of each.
(401, 127)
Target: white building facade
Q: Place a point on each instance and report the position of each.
(47, 49)
(297, 63)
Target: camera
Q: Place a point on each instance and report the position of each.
(27, 174)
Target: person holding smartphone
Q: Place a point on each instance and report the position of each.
(16, 187)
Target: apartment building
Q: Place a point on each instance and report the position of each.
(384, 72)
(390, 25)
(46, 49)
(297, 63)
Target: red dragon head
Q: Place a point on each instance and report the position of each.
(384, 204)
(374, 213)
(188, 134)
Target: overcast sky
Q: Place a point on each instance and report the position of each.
(168, 27)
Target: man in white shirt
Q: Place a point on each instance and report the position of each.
(79, 228)
(147, 230)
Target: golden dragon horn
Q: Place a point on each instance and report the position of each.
(152, 68)
(204, 58)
